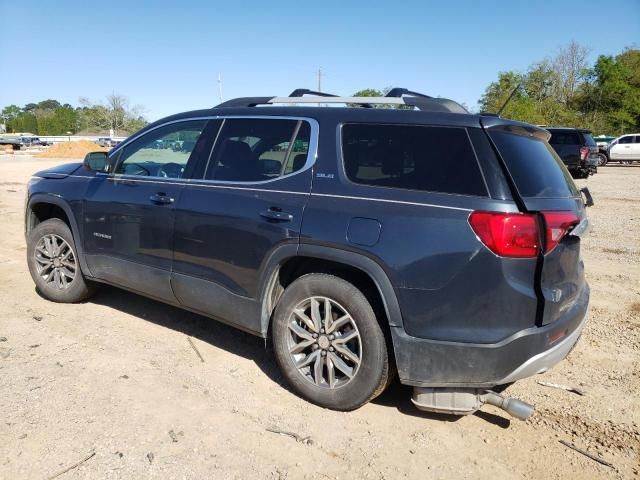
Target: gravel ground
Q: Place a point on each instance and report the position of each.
(115, 380)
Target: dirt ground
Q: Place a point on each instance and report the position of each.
(117, 377)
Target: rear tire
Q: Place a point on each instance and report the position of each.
(337, 361)
(53, 263)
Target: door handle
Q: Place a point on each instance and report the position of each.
(277, 215)
(161, 198)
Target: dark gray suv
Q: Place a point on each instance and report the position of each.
(364, 242)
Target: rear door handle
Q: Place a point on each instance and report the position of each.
(276, 215)
(161, 198)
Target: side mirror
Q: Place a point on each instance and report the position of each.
(96, 161)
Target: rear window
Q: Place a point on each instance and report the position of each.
(436, 159)
(534, 165)
(565, 138)
(588, 140)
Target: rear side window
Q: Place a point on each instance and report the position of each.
(413, 157)
(534, 165)
(565, 138)
(253, 150)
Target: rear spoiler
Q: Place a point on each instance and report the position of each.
(490, 122)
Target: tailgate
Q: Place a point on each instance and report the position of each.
(543, 185)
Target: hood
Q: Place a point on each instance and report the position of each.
(59, 171)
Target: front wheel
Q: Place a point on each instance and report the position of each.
(53, 263)
(329, 344)
(602, 160)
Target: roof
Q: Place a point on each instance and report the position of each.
(310, 104)
(567, 129)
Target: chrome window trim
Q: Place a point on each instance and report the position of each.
(312, 153)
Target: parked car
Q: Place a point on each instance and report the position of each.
(106, 142)
(603, 141)
(577, 150)
(434, 243)
(32, 142)
(625, 149)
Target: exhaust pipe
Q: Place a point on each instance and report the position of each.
(514, 407)
(465, 401)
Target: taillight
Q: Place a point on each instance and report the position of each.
(557, 225)
(584, 153)
(508, 234)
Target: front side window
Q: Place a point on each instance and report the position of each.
(414, 157)
(259, 149)
(163, 152)
(624, 140)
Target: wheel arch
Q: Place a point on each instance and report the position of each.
(356, 268)
(42, 207)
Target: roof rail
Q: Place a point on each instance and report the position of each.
(394, 97)
(398, 92)
(299, 92)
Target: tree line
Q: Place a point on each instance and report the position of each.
(50, 117)
(565, 90)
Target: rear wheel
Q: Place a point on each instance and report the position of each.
(53, 263)
(329, 344)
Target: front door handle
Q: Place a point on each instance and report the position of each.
(161, 198)
(276, 215)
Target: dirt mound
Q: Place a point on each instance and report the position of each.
(74, 149)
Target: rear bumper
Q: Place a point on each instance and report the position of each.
(429, 363)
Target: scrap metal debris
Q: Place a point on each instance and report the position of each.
(562, 387)
(195, 349)
(75, 465)
(586, 454)
(299, 438)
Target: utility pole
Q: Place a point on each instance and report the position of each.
(220, 87)
(320, 79)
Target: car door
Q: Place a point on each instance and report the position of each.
(622, 148)
(635, 149)
(246, 210)
(129, 213)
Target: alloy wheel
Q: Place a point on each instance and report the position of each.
(324, 342)
(55, 261)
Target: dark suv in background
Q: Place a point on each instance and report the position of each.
(362, 241)
(577, 149)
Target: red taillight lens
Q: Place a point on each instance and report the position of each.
(557, 226)
(584, 153)
(508, 234)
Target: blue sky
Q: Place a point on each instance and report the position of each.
(166, 55)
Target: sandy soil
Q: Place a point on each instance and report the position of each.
(117, 376)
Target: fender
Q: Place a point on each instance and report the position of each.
(356, 260)
(75, 232)
(367, 265)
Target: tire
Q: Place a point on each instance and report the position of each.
(68, 285)
(340, 391)
(602, 160)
